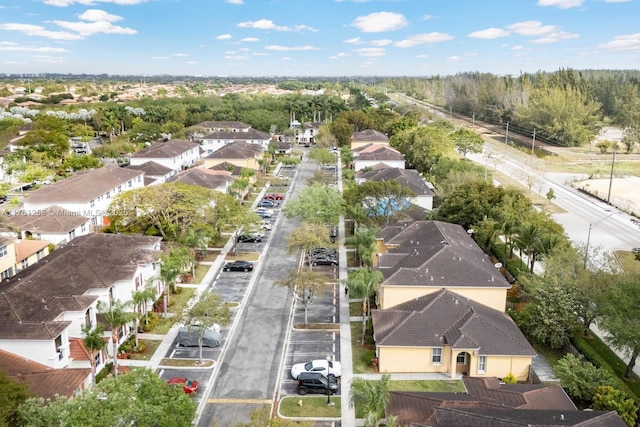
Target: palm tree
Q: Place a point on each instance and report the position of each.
(115, 315)
(364, 284)
(94, 342)
(365, 243)
(528, 241)
(139, 300)
(372, 396)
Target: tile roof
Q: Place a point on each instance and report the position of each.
(410, 178)
(166, 150)
(368, 135)
(203, 177)
(32, 301)
(237, 150)
(54, 219)
(251, 134)
(435, 254)
(212, 124)
(151, 168)
(446, 318)
(379, 152)
(226, 166)
(83, 186)
(42, 381)
(25, 248)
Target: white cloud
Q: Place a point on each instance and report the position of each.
(453, 59)
(98, 15)
(339, 55)
(371, 51)
(422, 56)
(37, 30)
(562, 4)
(423, 38)
(160, 58)
(238, 57)
(192, 62)
(180, 55)
(555, 37)
(267, 24)
(14, 47)
(379, 22)
(260, 54)
(489, 33)
(531, 28)
(518, 47)
(250, 39)
(290, 48)
(234, 1)
(88, 29)
(384, 42)
(616, 1)
(286, 58)
(65, 3)
(223, 37)
(355, 40)
(629, 42)
(426, 17)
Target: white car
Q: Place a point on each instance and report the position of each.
(323, 366)
(264, 212)
(266, 225)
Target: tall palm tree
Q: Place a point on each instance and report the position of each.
(94, 342)
(372, 396)
(364, 241)
(140, 299)
(115, 315)
(528, 241)
(364, 284)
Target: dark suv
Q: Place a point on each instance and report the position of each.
(315, 382)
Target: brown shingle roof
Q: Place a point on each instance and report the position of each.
(224, 125)
(229, 167)
(42, 381)
(251, 134)
(84, 186)
(54, 220)
(409, 178)
(166, 150)
(237, 150)
(446, 318)
(435, 254)
(151, 168)
(380, 153)
(202, 177)
(32, 301)
(369, 135)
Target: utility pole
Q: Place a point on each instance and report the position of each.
(533, 147)
(613, 162)
(473, 119)
(506, 140)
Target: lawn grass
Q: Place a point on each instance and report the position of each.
(551, 355)
(201, 271)
(312, 407)
(211, 256)
(355, 308)
(243, 256)
(187, 363)
(628, 262)
(149, 350)
(358, 352)
(177, 303)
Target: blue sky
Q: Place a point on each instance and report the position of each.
(317, 37)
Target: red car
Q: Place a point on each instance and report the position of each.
(274, 196)
(188, 386)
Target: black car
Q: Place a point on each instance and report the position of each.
(315, 382)
(323, 251)
(323, 259)
(251, 238)
(238, 266)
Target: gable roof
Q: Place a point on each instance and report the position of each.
(151, 168)
(379, 152)
(32, 301)
(409, 178)
(251, 134)
(447, 318)
(486, 393)
(83, 186)
(41, 380)
(203, 177)
(237, 150)
(227, 167)
(54, 219)
(165, 150)
(25, 248)
(212, 124)
(435, 254)
(369, 135)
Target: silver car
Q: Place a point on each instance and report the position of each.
(188, 337)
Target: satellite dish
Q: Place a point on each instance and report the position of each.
(498, 265)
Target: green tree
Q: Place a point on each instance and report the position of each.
(304, 285)
(581, 379)
(317, 204)
(608, 398)
(378, 203)
(139, 397)
(115, 315)
(372, 397)
(364, 283)
(93, 342)
(467, 141)
(364, 241)
(423, 146)
(139, 299)
(620, 320)
(12, 395)
(322, 156)
(208, 311)
(307, 237)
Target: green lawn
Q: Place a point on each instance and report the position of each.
(311, 407)
(201, 271)
(359, 352)
(150, 349)
(177, 303)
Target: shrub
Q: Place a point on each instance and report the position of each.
(369, 357)
(509, 379)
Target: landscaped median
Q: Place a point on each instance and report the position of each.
(187, 363)
(305, 407)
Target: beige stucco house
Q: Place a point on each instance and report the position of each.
(239, 153)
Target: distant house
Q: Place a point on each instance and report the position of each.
(54, 224)
(283, 147)
(225, 126)
(29, 252)
(239, 153)
(87, 193)
(369, 155)
(489, 403)
(44, 307)
(175, 154)
(219, 139)
(7, 257)
(305, 133)
(207, 178)
(154, 173)
(409, 178)
(41, 380)
(368, 136)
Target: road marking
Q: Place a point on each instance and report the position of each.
(262, 401)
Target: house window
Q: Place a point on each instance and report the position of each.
(92, 204)
(130, 184)
(482, 364)
(25, 263)
(83, 227)
(98, 358)
(461, 359)
(72, 234)
(3, 251)
(7, 273)
(436, 356)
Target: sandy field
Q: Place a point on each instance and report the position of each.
(625, 192)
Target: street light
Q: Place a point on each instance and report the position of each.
(591, 226)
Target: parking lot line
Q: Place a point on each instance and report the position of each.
(265, 401)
